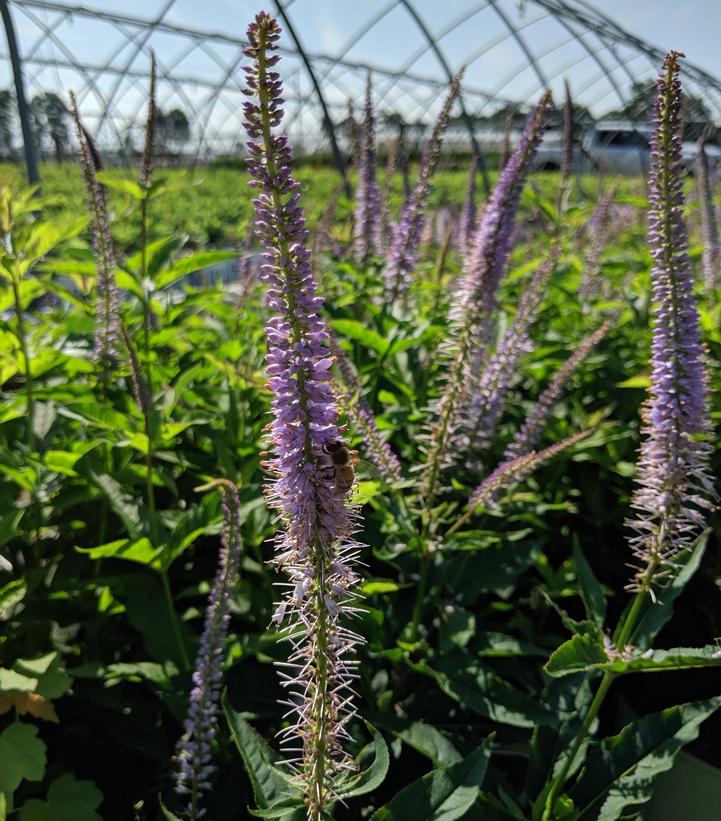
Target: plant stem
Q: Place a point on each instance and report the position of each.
(625, 632)
(420, 594)
(154, 537)
(22, 337)
(558, 781)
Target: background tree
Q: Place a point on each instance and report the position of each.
(7, 124)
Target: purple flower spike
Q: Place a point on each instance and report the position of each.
(367, 224)
(529, 433)
(510, 473)
(107, 306)
(361, 415)
(315, 547)
(674, 485)
(475, 297)
(195, 763)
(407, 235)
(709, 228)
(492, 240)
(491, 395)
(468, 213)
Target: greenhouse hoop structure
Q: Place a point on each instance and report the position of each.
(512, 51)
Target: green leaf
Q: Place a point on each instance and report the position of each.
(422, 738)
(121, 502)
(132, 550)
(190, 264)
(369, 779)
(129, 187)
(657, 615)
(22, 757)
(582, 652)
(649, 745)
(479, 689)
(68, 800)
(169, 816)
(362, 334)
(591, 592)
(53, 681)
(270, 785)
(680, 658)
(443, 794)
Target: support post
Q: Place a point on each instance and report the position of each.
(23, 108)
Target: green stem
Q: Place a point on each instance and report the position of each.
(22, 337)
(155, 539)
(420, 594)
(625, 632)
(558, 781)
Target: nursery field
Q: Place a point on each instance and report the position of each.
(442, 456)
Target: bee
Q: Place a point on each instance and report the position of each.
(342, 466)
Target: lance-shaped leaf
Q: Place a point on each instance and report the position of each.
(271, 786)
(648, 745)
(446, 793)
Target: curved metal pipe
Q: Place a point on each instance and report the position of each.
(327, 122)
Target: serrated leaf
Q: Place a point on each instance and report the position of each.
(443, 794)
(372, 777)
(479, 689)
(591, 592)
(68, 800)
(680, 658)
(424, 738)
(123, 184)
(361, 333)
(649, 745)
(582, 652)
(22, 758)
(190, 264)
(26, 703)
(270, 785)
(132, 550)
(657, 615)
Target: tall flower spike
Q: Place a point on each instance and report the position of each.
(490, 397)
(367, 223)
(315, 547)
(146, 165)
(468, 213)
(509, 473)
(674, 488)
(531, 430)
(408, 231)
(195, 763)
(107, 305)
(709, 227)
(597, 233)
(361, 415)
(474, 300)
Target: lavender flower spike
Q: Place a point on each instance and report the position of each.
(367, 224)
(527, 437)
(468, 213)
(475, 297)
(108, 299)
(315, 547)
(674, 485)
(711, 244)
(361, 414)
(492, 241)
(489, 399)
(408, 231)
(195, 765)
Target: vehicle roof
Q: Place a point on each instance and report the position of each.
(623, 125)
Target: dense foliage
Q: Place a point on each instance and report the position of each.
(484, 634)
